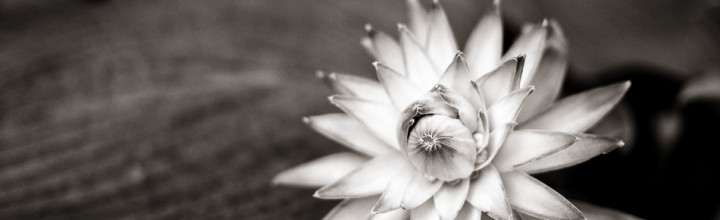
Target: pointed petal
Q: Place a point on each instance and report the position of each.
(349, 132)
(369, 179)
(401, 91)
(487, 194)
(531, 44)
(524, 146)
(419, 190)
(420, 69)
(360, 209)
(440, 44)
(528, 195)
(380, 118)
(426, 211)
(588, 147)
(356, 86)
(594, 212)
(321, 171)
(419, 22)
(369, 46)
(506, 109)
(501, 81)
(391, 198)
(579, 112)
(387, 50)
(352, 209)
(450, 199)
(469, 212)
(550, 73)
(484, 46)
(457, 76)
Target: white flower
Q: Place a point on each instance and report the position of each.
(441, 135)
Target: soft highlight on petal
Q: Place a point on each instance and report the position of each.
(529, 196)
(450, 199)
(321, 171)
(501, 81)
(420, 189)
(391, 198)
(380, 118)
(588, 147)
(524, 146)
(420, 69)
(401, 91)
(426, 211)
(487, 193)
(387, 50)
(579, 112)
(349, 132)
(356, 86)
(484, 46)
(369, 179)
(440, 44)
(507, 108)
(532, 44)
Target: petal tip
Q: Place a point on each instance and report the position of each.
(320, 74)
(620, 143)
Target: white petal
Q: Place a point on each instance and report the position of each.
(524, 146)
(426, 211)
(360, 209)
(418, 19)
(501, 81)
(532, 45)
(352, 209)
(588, 147)
(420, 69)
(380, 118)
(369, 46)
(528, 195)
(450, 199)
(594, 212)
(348, 131)
(579, 112)
(387, 50)
(391, 198)
(469, 212)
(321, 171)
(506, 109)
(487, 193)
(369, 179)
(497, 138)
(401, 91)
(419, 190)
(484, 46)
(440, 44)
(457, 76)
(356, 86)
(549, 75)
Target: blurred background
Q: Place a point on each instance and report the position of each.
(160, 109)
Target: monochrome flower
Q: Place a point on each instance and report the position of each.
(442, 134)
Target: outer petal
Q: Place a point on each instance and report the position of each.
(579, 112)
(420, 69)
(387, 50)
(532, 44)
(588, 147)
(356, 86)
(506, 109)
(550, 73)
(426, 211)
(524, 146)
(440, 44)
(487, 193)
(401, 91)
(501, 81)
(391, 198)
(484, 46)
(360, 209)
(450, 199)
(418, 19)
(348, 131)
(594, 212)
(380, 118)
(419, 190)
(369, 179)
(321, 171)
(469, 212)
(528, 195)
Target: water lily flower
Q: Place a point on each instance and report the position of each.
(441, 135)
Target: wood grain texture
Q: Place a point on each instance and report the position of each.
(169, 109)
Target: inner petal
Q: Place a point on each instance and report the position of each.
(441, 147)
